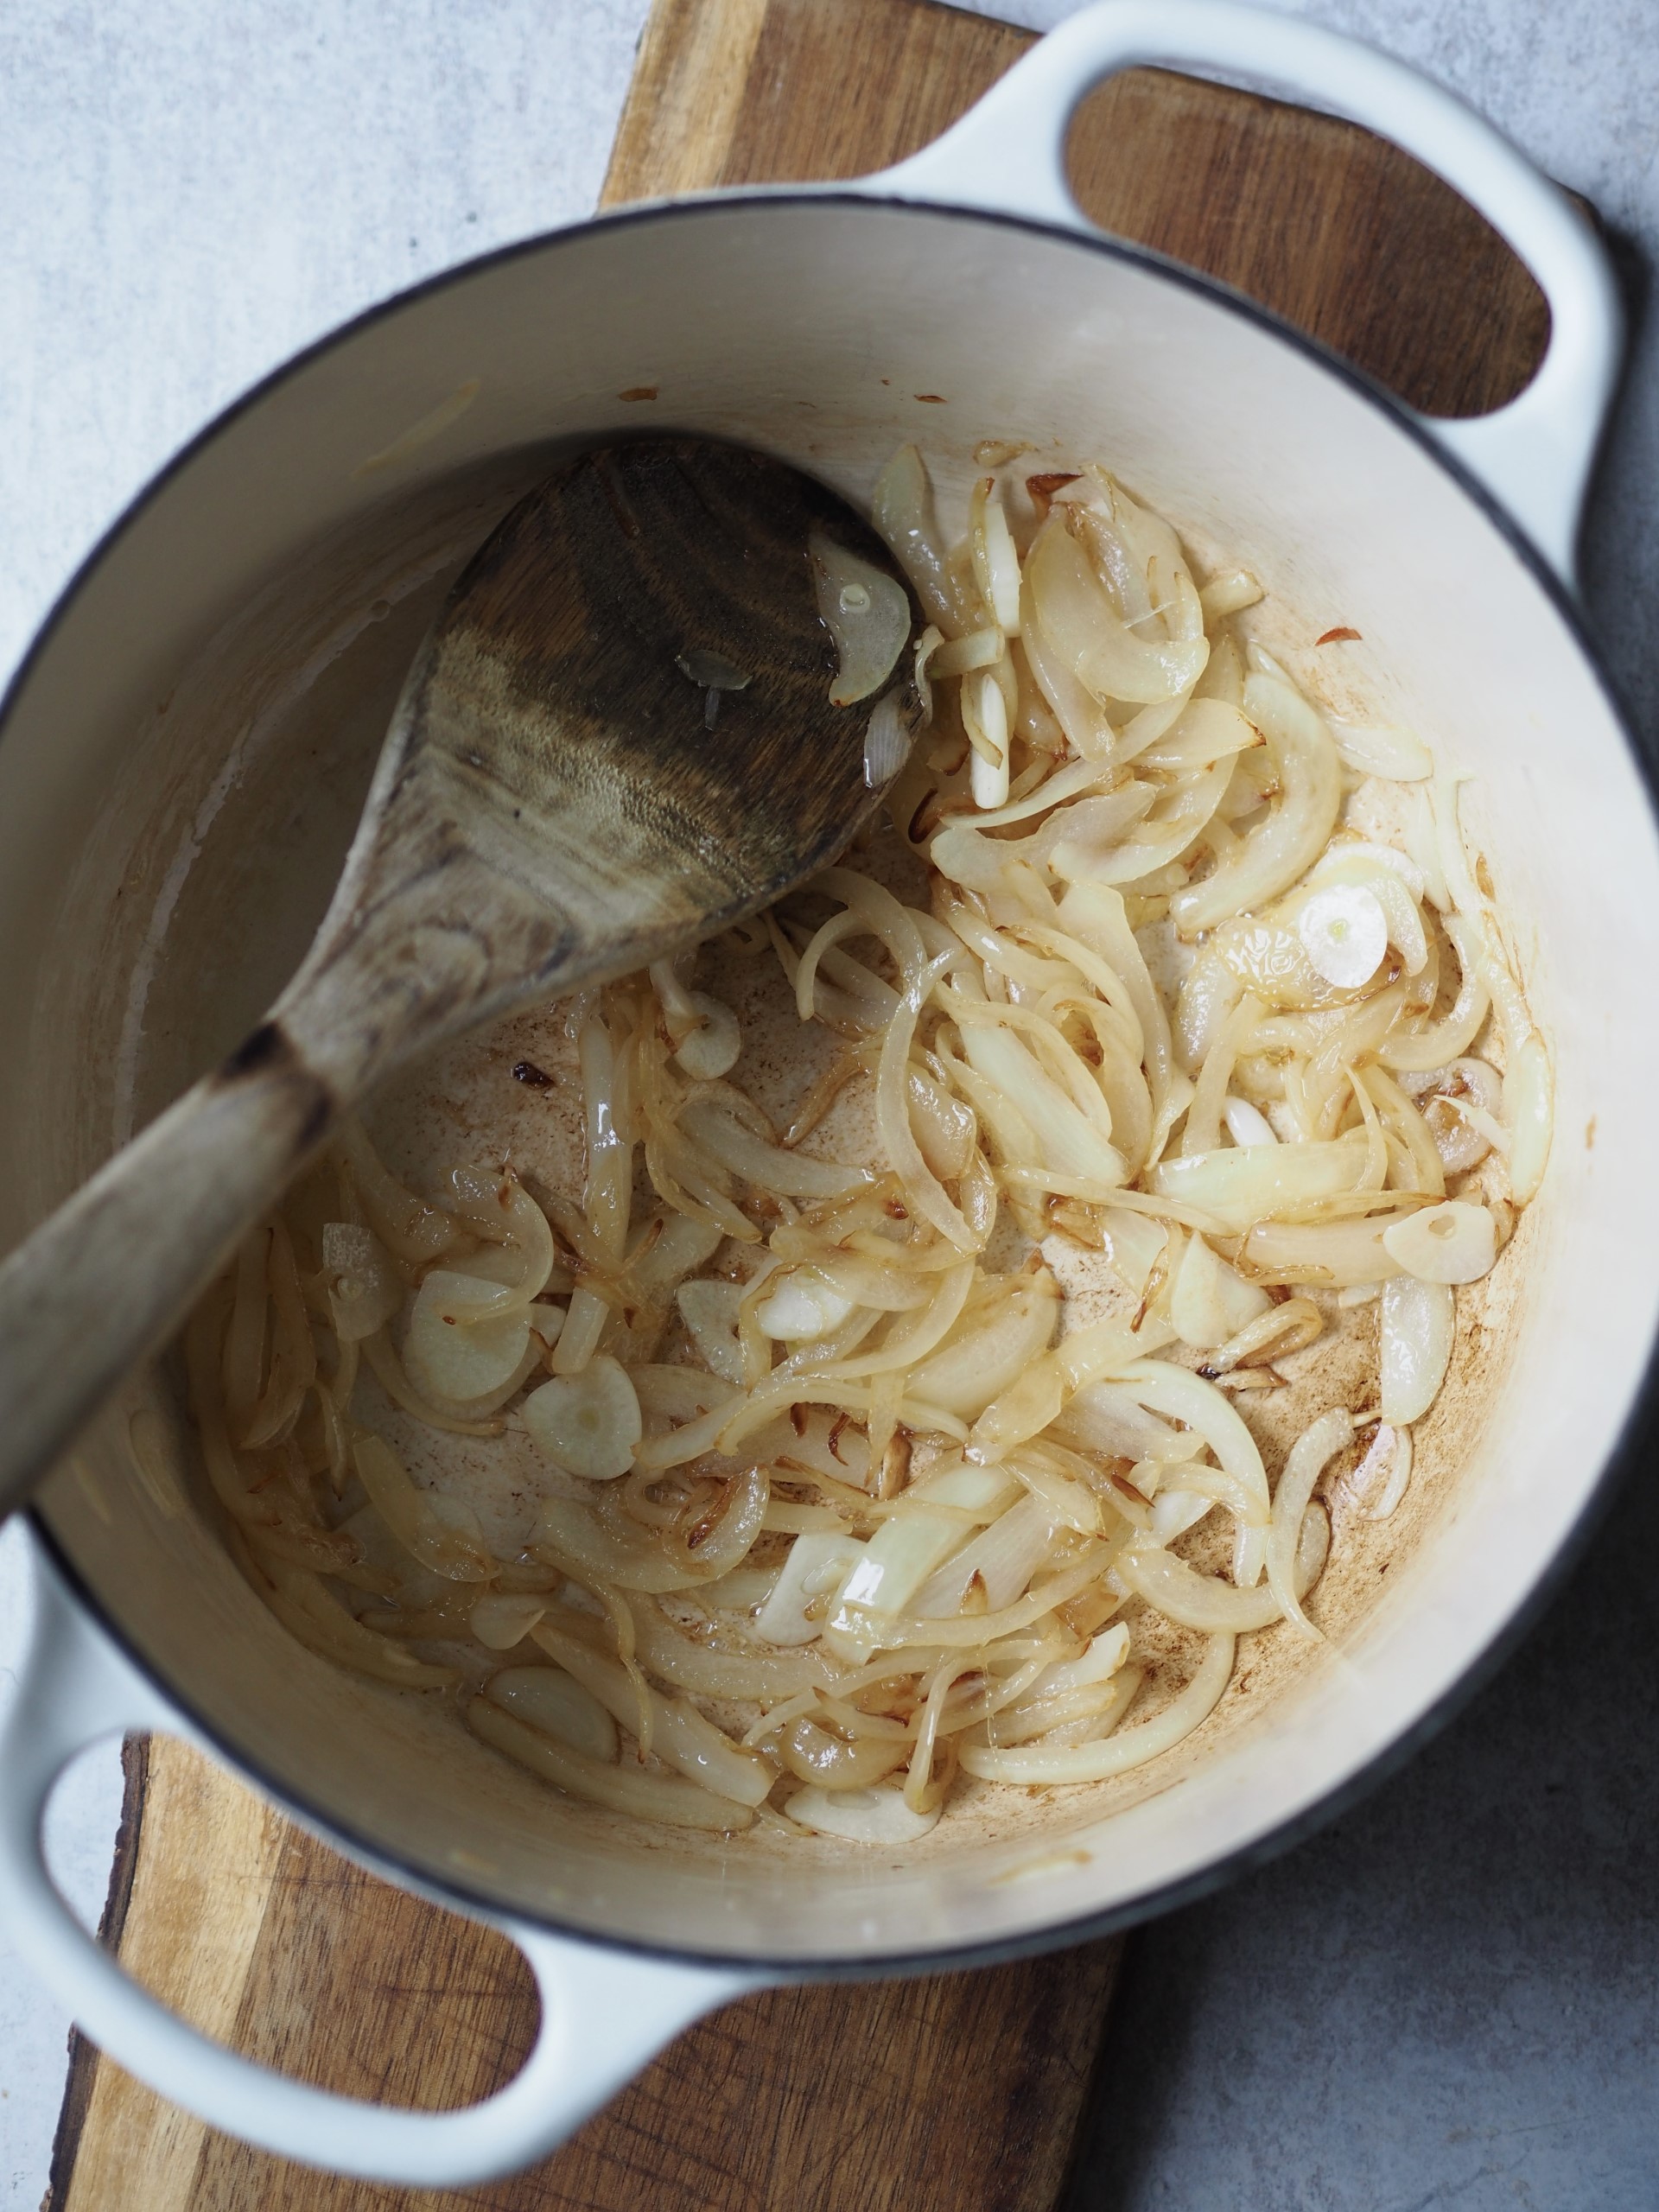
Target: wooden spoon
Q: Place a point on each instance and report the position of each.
(617, 738)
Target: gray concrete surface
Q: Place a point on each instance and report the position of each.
(1448, 1999)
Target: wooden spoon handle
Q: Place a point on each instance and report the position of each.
(114, 1271)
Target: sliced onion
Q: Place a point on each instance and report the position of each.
(1313, 1449)
(1001, 1559)
(1397, 754)
(898, 1561)
(1528, 1088)
(793, 1173)
(1419, 1321)
(996, 564)
(1072, 1141)
(985, 715)
(569, 1533)
(588, 1424)
(1134, 1243)
(709, 1310)
(1208, 1302)
(987, 1350)
(682, 1393)
(622, 1787)
(707, 1671)
(494, 1201)
(1035, 1763)
(665, 1257)
(1300, 823)
(1389, 1449)
(1204, 1601)
(1105, 1655)
(549, 1699)
(1451, 1243)
(1090, 638)
(878, 1815)
(1327, 1255)
(680, 1736)
(901, 507)
(1207, 730)
(1188, 1398)
(1464, 1138)
(413, 1229)
(802, 1597)
(1108, 1417)
(1237, 1186)
(444, 1544)
(364, 1288)
(1230, 592)
(865, 610)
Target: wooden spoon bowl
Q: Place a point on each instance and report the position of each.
(617, 738)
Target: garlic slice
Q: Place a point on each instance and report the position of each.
(865, 611)
(1345, 934)
(456, 1348)
(588, 1423)
(1418, 1320)
(502, 1620)
(804, 1305)
(364, 1288)
(1453, 1242)
(1246, 1124)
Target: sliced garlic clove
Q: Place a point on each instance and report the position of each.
(1452, 1243)
(455, 1349)
(865, 611)
(546, 1324)
(364, 1288)
(988, 779)
(887, 740)
(1345, 934)
(588, 1423)
(709, 1049)
(804, 1306)
(1418, 1323)
(1247, 1124)
(500, 1622)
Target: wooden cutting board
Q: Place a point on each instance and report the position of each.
(962, 2093)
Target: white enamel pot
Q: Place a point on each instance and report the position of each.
(182, 755)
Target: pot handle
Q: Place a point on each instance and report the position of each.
(604, 2013)
(1007, 155)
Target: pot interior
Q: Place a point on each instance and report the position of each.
(183, 763)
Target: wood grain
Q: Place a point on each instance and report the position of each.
(356, 1986)
(1340, 233)
(821, 2100)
